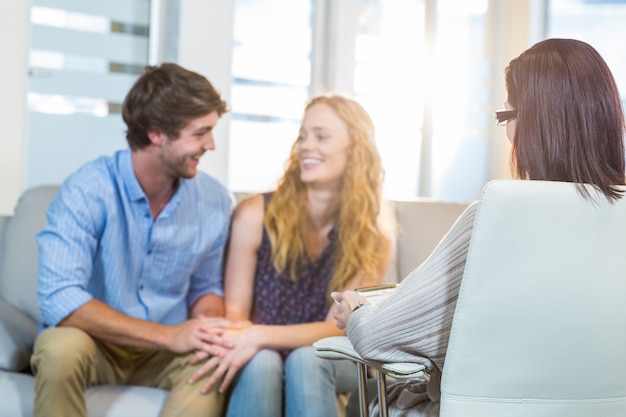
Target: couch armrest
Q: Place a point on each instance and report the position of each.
(3, 222)
(17, 335)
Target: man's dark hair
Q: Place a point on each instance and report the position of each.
(164, 99)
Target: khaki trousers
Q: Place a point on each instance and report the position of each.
(66, 361)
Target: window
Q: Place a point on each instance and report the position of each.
(408, 62)
(461, 77)
(82, 63)
(271, 85)
(600, 23)
(415, 62)
(390, 73)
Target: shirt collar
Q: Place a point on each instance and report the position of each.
(134, 190)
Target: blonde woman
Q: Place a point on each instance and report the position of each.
(319, 231)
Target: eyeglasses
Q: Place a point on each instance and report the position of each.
(503, 116)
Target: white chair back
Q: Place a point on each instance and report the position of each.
(540, 324)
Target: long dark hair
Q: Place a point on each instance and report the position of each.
(570, 121)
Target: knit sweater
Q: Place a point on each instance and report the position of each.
(413, 323)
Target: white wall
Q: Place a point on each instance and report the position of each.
(14, 21)
(205, 46)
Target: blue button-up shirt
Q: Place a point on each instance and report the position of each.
(102, 242)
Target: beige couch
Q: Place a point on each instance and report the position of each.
(421, 224)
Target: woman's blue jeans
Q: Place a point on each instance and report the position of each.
(303, 386)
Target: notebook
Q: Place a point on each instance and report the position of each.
(377, 293)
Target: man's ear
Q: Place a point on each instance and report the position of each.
(157, 138)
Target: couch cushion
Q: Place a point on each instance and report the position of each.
(18, 271)
(422, 224)
(3, 222)
(121, 401)
(17, 394)
(17, 334)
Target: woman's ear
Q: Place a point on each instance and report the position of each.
(156, 138)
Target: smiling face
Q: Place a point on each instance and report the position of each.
(322, 146)
(180, 156)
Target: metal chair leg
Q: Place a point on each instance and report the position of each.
(382, 393)
(362, 376)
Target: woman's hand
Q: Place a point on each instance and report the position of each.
(347, 301)
(226, 366)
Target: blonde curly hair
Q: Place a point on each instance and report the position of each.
(362, 238)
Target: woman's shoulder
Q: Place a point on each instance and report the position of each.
(247, 223)
(250, 210)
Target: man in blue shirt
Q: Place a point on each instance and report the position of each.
(130, 262)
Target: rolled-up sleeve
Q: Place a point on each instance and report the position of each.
(66, 248)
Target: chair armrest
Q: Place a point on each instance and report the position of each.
(340, 347)
(337, 347)
(17, 335)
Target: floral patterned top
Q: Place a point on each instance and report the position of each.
(279, 300)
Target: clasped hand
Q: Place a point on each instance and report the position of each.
(231, 347)
(200, 334)
(243, 345)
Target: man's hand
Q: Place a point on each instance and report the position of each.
(201, 334)
(245, 346)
